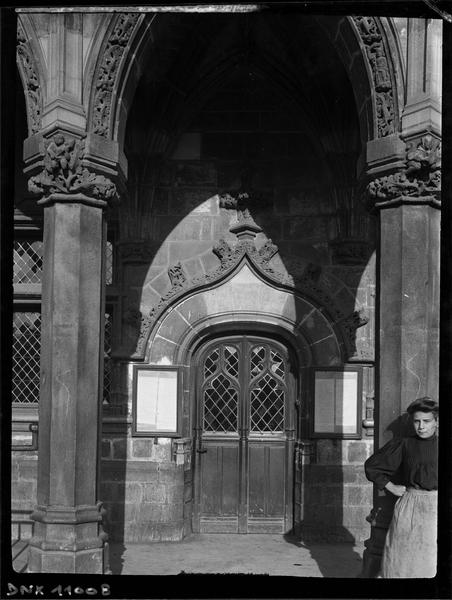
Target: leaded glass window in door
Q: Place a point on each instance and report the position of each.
(221, 390)
(267, 390)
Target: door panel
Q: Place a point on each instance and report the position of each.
(244, 443)
(220, 488)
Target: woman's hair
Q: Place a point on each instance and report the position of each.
(425, 404)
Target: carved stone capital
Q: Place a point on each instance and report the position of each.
(418, 182)
(65, 177)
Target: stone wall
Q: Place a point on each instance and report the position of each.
(337, 497)
(144, 489)
(24, 470)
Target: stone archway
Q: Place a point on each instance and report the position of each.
(367, 47)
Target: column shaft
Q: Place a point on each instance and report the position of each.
(67, 535)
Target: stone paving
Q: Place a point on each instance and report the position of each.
(255, 554)
(238, 554)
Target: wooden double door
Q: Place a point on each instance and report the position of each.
(244, 439)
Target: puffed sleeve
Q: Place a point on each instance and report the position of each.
(382, 465)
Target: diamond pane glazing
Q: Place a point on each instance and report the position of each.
(267, 406)
(257, 360)
(26, 357)
(231, 359)
(107, 358)
(220, 406)
(27, 261)
(109, 264)
(211, 363)
(277, 366)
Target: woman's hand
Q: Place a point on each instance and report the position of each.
(397, 490)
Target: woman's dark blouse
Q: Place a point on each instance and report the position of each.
(417, 459)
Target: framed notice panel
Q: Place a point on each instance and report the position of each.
(156, 401)
(337, 402)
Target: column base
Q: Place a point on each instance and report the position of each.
(68, 540)
(90, 561)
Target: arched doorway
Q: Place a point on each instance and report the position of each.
(244, 436)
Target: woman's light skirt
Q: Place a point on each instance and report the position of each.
(411, 543)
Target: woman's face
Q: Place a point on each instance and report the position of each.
(425, 424)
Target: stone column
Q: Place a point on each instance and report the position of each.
(408, 202)
(405, 188)
(68, 536)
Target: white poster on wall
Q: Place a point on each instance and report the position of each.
(336, 402)
(156, 401)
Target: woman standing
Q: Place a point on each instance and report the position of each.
(410, 548)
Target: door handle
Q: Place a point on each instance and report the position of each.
(201, 450)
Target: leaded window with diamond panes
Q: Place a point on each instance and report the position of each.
(26, 357)
(107, 358)
(109, 263)
(27, 261)
(267, 390)
(221, 390)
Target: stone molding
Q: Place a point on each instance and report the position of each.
(70, 517)
(107, 73)
(306, 281)
(385, 104)
(65, 178)
(418, 182)
(27, 66)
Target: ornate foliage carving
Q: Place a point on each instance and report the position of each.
(177, 275)
(32, 88)
(376, 54)
(109, 69)
(421, 176)
(306, 279)
(64, 172)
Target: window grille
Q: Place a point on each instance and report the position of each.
(221, 397)
(27, 261)
(109, 264)
(107, 359)
(267, 391)
(26, 357)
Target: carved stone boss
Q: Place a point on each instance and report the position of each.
(376, 54)
(108, 71)
(32, 90)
